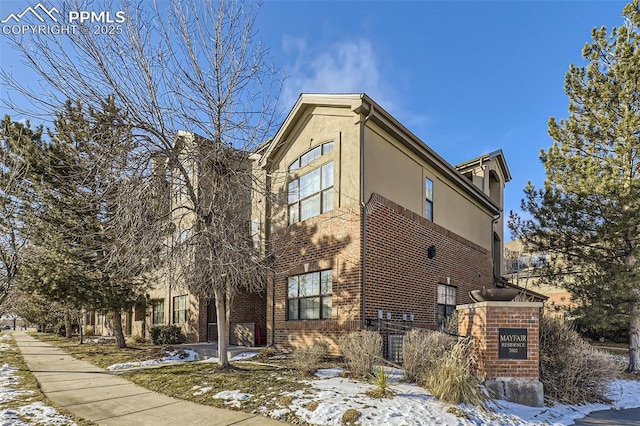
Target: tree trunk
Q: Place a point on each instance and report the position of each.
(221, 318)
(634, 339)
(117, 329)
(67, 324)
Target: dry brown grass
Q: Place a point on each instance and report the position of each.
(571, 370)
(360, 349)
(421, 348)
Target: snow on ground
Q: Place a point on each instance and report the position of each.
(413, 405)
(182, 355)
(233, 398)
(34, 413)
(238, 357)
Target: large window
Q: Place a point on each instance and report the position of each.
(428, 205)
(311, 194)
(180, 309)
(309, 296)
(446, 302)
(311, 155)
(157, 311)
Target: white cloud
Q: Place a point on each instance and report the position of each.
(343, 67)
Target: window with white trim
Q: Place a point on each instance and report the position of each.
(309, 296)
(446, 301)
(311, 194)
(428, 205)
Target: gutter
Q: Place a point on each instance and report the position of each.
(363, 248)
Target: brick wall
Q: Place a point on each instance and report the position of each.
(399, 276)
(482, 321)
(328, 241)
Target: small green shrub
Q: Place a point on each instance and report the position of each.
(306, 359)
(450, 377)
(382, 380)
(360, 349)
(89, 330)
(166, 335)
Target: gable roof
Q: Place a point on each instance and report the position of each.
(360, 103)
(497, 154)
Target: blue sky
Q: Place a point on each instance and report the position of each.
(466, 77)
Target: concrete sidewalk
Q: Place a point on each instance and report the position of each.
(95, 394)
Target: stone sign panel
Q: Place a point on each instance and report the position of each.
(512, 343)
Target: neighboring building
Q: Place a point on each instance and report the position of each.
(369, 222)
(523, 268)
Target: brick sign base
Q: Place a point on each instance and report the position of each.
(506, 335)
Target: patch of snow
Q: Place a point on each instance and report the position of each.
(413, 405)
(35, 413)
(328, 373)
(244, 355)
(202, 391)
(233, 398)
(6, 336)
(183, 355)
(212, 359)
(5, 347)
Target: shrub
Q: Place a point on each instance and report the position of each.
(381, 379)
(306, 359)
(450, 377)
(421, 349)
(136, 338)
(360, 349)
(350, 416)
(89, 330)
(166, 335)
(571, 370)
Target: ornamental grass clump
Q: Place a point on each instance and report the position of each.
(306, 359)
(421, 349)
(571, 370)
(360, 349)
(381, 379)
(450, 377)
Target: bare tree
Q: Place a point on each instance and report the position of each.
(194, 66)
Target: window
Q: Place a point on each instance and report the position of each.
(311, 194)
(309, 296)
(446, 302)
(157, 311)
(180, 309)
(428, 206)
(311, 155)
(255, 232)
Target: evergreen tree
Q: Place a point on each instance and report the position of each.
(17, 142)
(93, 220)
(588, 213)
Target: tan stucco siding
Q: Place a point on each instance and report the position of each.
(319, 125)
(398, 174)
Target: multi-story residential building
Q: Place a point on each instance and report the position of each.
(363, 221)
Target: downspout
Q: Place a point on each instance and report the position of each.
(495, 219)
(363, 257)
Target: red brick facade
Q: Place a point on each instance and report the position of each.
(329, 241)
(401, 279)
(399, 276)
(483, 320)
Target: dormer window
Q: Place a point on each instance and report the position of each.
(311, 155)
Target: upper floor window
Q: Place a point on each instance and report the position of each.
(446, 302)
(311, 194)
(309, 296)
(311, 155)
(428, 205)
